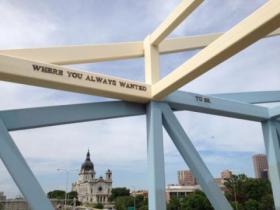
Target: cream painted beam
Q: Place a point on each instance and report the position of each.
(195, 42)
(151, 58)
(80, 54)
(184, 9)
(114, 51)
(262, 22)
(57, 77)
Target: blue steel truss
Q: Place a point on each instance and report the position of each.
(234, 105)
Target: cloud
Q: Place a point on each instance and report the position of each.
(23, 29)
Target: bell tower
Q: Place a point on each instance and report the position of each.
(109, 175)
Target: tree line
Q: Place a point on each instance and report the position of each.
(242, 192)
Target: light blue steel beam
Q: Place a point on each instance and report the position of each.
(278, 128)
(251, 97)
(272, 139)
(155, 151)
(57, 115)
(21, 173)
(211, 105)
(274, 112)
(193, 160)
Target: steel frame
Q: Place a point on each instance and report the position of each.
(157, 101)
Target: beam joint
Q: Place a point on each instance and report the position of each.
(151, 54)
(262, 22)
(184, 9)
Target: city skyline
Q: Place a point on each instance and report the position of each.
(219, 144)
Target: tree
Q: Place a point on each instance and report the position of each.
(99, 206)
(196, 201)
(267, 202)
(140, 201)
(118, 192)
(173, 204)
(56, 194)
(249, 193)
(252, 205)
(144, 207)
(70, 198)
(71, 195)
(123, 202)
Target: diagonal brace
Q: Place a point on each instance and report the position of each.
(193, 160)
(21, 173)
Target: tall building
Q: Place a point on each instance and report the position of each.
(226, 174)
(185, 178)
(91, 189)
(260, 166)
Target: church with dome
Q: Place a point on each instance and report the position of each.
(91, 189)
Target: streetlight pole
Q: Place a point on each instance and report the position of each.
(66, 186)
(67, 171)
(134, 196)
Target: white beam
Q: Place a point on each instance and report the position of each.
(181, 44)
(185, 8)
(265, 20)
(114, 51)
(152, 72)
(57, 77)
(80, 54)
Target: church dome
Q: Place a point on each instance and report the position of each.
(87, 165)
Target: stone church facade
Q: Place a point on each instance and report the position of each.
(91, 189)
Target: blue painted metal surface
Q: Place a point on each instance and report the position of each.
(272, 145)
(193, 160)
(230, 105)
(156, 173)
(57, 115)
(216, 106)
(21, 173)
(274, 112)
(251, 97)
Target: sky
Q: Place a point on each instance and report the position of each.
(120, 144)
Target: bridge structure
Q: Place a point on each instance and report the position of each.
(157, 98)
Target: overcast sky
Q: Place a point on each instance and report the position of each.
(120, 144)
